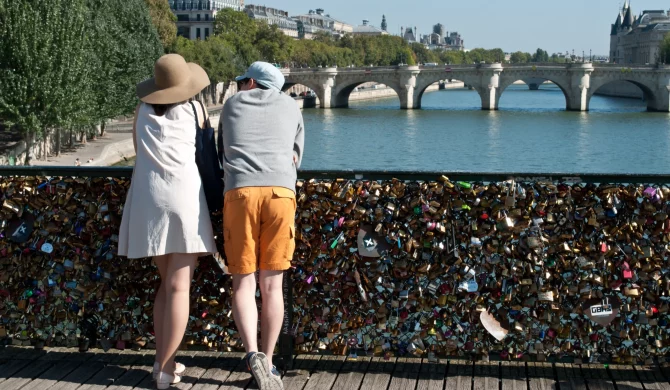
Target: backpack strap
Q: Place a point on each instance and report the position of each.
(197, 121)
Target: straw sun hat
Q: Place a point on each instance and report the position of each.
(174, 81)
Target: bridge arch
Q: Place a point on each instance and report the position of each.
(649, 92)
(314, 86)
(343, 89)
(534, 82)
(423, 82)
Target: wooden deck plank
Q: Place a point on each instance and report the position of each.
(103, 378)
(597, 377)
(238, 379)
(660, 377)
(80, 375)
(196, 366)
(541, 376)
(649, 379)
(486, 375)
(352, 374)
(26, 375)
(218, 371)
(431, 376)
(11, 367)
(459, 376)
(51, 376)
(131, 378)
(513, 375)
(296, 378)
(378, 375)
(570, 376)
(625, 378)
(326, 373)
(405, 374)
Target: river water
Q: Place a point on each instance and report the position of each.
(531, 132)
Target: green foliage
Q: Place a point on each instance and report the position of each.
(540, 56)
(43, 58)
(519, 57)
(215, 55)
(72, 63)
(164, 21)
(126, 45)
(664, 52)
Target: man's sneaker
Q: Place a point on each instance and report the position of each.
(257, 364)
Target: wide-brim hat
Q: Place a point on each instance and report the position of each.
(174, 81)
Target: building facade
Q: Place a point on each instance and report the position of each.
(367, 29)
(637, 39)
(440, 39)
(275, 17)
(195, 18)
(315, 21)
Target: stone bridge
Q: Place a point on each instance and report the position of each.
(577, 81)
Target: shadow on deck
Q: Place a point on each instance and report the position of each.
(60, 368)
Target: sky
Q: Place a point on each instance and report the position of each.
(553, 25)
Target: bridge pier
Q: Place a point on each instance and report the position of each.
(489, 89)
(578, 96)
(659, 101)
(407, 81)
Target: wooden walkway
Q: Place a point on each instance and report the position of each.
(59, 368)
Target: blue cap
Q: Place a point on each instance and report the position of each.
(265, 74)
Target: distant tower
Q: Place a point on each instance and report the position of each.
(439, 30)
(384, 25)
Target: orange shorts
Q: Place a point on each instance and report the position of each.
(259, 229)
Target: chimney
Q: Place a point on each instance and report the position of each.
(365, 22)
(319, 11)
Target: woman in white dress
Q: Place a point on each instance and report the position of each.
(166, 216)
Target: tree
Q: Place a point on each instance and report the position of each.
(216, 57)
(238, 29)
(44, 69)
(164, 21)
(664, 50)
(126, 46)
(423, 54)
(540, 56)
(519, 57)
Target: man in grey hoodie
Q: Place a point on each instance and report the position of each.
(263, 136)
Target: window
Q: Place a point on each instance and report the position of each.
(206, 33)
(198, 18)
(206, 17)
(182, 18)
(197, 33)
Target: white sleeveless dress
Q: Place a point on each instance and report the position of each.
(165, 211)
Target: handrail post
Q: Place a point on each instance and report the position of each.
(286, 337)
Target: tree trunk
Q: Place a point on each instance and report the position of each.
(45, 143)
(82, 136)
(94, 132)
(102, 129)
(29, 147)
(58, 143)
(71, 138)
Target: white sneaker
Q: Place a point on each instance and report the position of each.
(164, 380)
(179, 369)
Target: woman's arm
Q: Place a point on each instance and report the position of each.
(137, 111)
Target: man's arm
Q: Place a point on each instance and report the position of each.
(299, 143)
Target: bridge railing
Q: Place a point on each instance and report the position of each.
(385, 262)
(474, 66)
